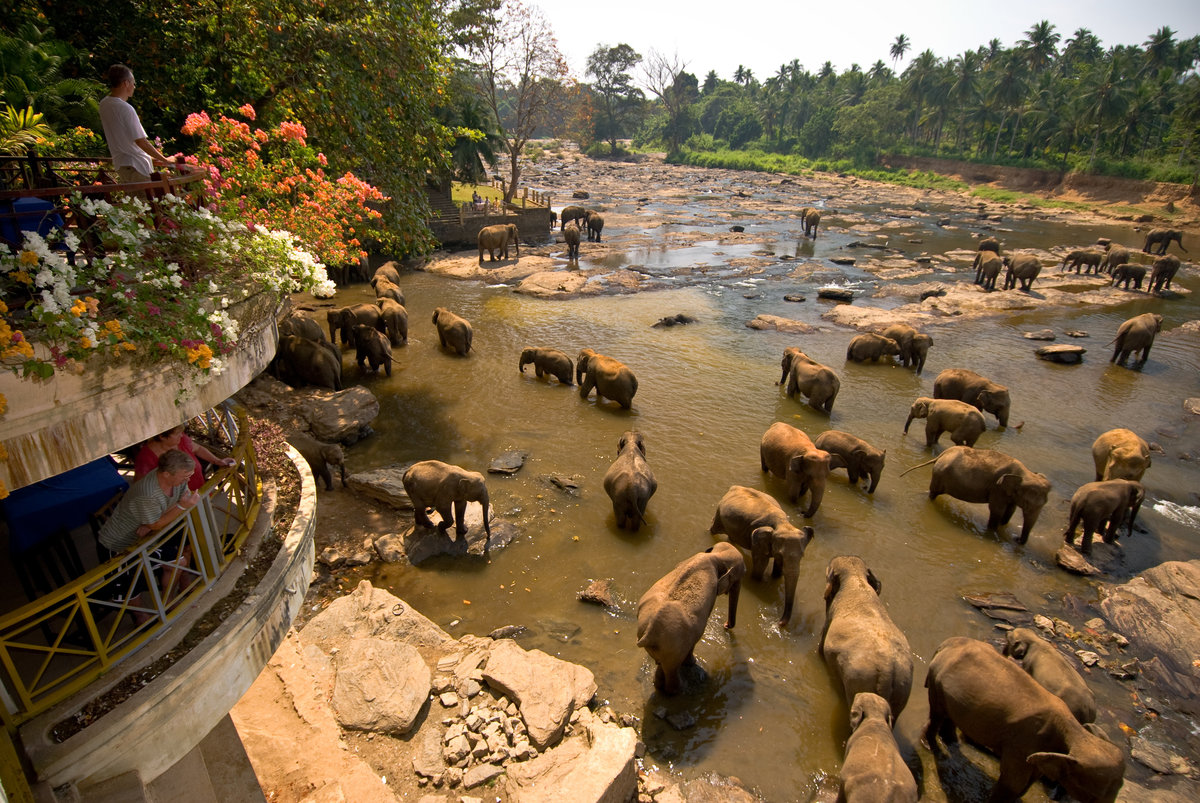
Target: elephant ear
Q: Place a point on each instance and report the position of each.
(836, 461)
(1013, 647)
(1055, 766)
(874, 581)
(833, 581)
(857, 714)
(1009, 482)
(762, 545)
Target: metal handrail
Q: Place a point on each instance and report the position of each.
(60, 643)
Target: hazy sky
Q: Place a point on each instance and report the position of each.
(763, 34)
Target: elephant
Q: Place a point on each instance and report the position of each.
(1052, 670)
(372, 347)
(968, 386)
(1023, 268)
(547, 361)
(595, 224)
(356, 315)
(1115, 255)
(446, 488)
(569, 214)
(790, 354)
(1102, 507)
(987, 268)
(1136, 334)
(816, 381)
(1120, 454)
(873, 769)
(870, 347)
(395, 320)
(385, 288)
(989, 244)
(1128, 272)
(964, 422)
(985, 475)
(498, 238)
(1089, 257)
(672, 614)
(629, 482)
(812, 219)
(302, 326)
(320, 456)
(755, 521)
(571, 237)
(914, 346)
(789, 454)
(386, 271)
(454, 333)
(863, 461)
(861, 645)
(997, 705)
(1162, 239)
(611, 378)
(1162, 273)
(300, 360)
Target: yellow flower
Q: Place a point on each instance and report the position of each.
(78, 309)
(113, 326)
(3, 308)
(86, 342)
(22, 277)
(29, 259)
(128, 346)
(3, 408)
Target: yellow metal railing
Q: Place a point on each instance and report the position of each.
(57, 645)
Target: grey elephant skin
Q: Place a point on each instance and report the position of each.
(547, 362)
(755, 521)
(1126, 273)
(861, 645)
(301, 326)
(570, 214)
(1084, 257)
(1157, 240)
(1162, 273)
(299, 360)
(914, 346)
(1114, 255)
(386, 288)
(629, 482)
(386, 271)
(595, 224)
(454, 333)
(863, 461)
(1102, 507)
(371, 347)
(811, 218)
(873, 770)
(320, 456)
(497, 239)
(991, 477)
(970, 387)
(791, 455)
(672, 614)
(964, 422)
(571, 238)
(447, 489)
(1023, 269)
(611, 378)
(346, 318)
(807, 376)
(1120, 454)
(395, 320)
(870, 347)
(1136, 334)
(987, 268)
(1052, 670)
(997, 705)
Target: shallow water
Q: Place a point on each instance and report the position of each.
(769, 713)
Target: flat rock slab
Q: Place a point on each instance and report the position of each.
(1041, 334)
(1066, 354)
(381, 686)
(423, 543)
(835, 294)
(842, 260)
(1069, 559)
(1002, 606)
(1192, 406)
(508, 463)
(383, 484)
(598, 592)
(598, 766)
(777, 324)
(366, 612)
(795, 298)
(546, 689)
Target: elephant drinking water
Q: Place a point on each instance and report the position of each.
(547, 362)
(790, 454)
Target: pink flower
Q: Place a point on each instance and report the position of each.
(196, 122)
(321, 158)
(247, 111)
(296, 131)
(152, 309)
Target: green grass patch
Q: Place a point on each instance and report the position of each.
(795, 165)
(461, 193)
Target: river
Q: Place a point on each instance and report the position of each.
(770, 713)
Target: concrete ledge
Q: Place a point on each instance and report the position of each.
(163, 722)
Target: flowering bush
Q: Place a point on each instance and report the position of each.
(273, 178)
(148, 291)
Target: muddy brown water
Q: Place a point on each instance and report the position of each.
(769, 712)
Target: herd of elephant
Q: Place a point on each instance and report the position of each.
(1113, 260)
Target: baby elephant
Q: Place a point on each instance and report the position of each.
(863, 648)
(1047, 666)
(964, 422)
(371, 347)
(863, 461)
(548, 361)
(447, 489)
(870, 346)
(454, 333)
(629, 482)
(671, 616)
(320, 457)
(1102, 507)
(873, 770)
(1031, 731)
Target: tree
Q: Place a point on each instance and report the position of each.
(1041, 46)
(899, 48)
(33, 74)
(676, 90)
(610, 67)
(519, 70)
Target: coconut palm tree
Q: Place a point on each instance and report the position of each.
(1009, 89)
(1041, 46)
(879, 73)
(918, 82)
(964, 89)
(899, 48)
(1105, 98)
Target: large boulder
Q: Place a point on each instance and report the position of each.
(381, 686)
(545, 689)
(338, 416)
(597, 765)
(368, 612)
(384, 484)
(777, 324)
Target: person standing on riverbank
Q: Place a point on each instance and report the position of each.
(133, 155)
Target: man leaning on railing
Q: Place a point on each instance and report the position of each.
(134, 156)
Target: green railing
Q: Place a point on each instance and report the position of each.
(57, 645)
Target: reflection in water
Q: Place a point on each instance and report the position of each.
(769, 712)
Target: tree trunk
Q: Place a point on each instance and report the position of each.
(1095, 145)
(515, 172)
(999, 131)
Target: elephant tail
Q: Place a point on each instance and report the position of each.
(919, 465)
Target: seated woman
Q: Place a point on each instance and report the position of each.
(174, 438)
(150, 504)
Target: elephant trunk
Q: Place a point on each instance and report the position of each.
(909, 420)
(817, 487)
(487, 527)
(1029, 518)
(791, 576)
(342, 469)
(875, 474)
(1139, 497)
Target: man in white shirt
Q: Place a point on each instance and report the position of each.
(134, 156)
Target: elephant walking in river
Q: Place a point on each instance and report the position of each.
(629, 482)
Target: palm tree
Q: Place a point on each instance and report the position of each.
(1009, 89)
(899, 48)
(1083, 48)
(964, 90)
(476, 141)
(918, 81)
(1160, 51)
(1041, 45)
(879, 73)
(743, 75)
(20, 129)
(1105, 98)
(31, 75)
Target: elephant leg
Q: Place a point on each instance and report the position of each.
(585, 387)
(1085, 546)
(460, 516)
(777, 568)
(932, 433)
(420, 514)
(690, 658)
(447, 514)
